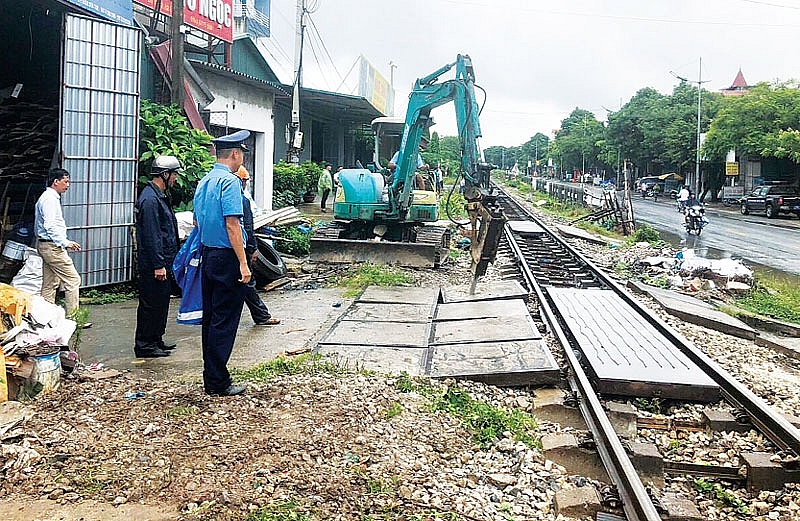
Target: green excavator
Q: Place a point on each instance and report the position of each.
(389, 215)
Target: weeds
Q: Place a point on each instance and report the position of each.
(298, 243)
(451, 205)
(486, 423)
(281, 511)
(644, 233)
(652, 405)
(306, 364)
(394, 410)
(773, 296)
(81, 317)
(108, 295)
(181, 410)
(722, 495)
(373, 275)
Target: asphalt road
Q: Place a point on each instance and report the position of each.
(774, 243)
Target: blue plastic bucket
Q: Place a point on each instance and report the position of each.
(47, 371)
(14, 250)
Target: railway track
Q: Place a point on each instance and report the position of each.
(551, 269)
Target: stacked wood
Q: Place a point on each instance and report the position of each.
(28, 136)
(285, 216)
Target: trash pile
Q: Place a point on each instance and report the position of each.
(34, 336)
(688, 271)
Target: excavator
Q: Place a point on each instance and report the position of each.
(390, 217)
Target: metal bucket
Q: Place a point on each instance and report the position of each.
(47, 371)
(14, 250)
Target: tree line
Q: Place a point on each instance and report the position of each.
(657, 133)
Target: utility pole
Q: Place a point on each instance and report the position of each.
(699, 83)
(392, 67)
(295, 134)
(177, 52)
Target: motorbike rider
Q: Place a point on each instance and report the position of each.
(683, 195)
(691, 201)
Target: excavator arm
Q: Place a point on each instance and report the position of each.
(486, 216)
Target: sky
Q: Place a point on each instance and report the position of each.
(539, 60)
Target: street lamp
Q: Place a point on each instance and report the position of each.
(699, 83)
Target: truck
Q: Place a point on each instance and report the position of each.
(389, 217)
(772, 200)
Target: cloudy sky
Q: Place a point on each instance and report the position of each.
(538, 60)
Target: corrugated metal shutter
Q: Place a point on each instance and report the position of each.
(99, 144)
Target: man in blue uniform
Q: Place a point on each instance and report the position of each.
(157, 240)
(218, 212)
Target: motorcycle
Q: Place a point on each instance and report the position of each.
(695, 219)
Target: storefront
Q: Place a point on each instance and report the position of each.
(69, 97)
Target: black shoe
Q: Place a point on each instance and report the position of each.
(151, 353)
(232, 390)
(167, 346)
(268, 322)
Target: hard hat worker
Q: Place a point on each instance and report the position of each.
(157, 244)
(218, 211)
(258, 310)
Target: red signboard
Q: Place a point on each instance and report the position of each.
(214, 17)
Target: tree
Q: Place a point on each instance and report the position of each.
(763, 122)
(577, 141)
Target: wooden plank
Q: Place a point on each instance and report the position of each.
(3, 378)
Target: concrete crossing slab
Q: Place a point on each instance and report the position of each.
(513, 363)
(481, 309)
(506, 289)
(627, 354)
(695, 311)
(383, 360)
(494, 329)
(378, 333)
(400, 295)
(525, 227)
(373, 311)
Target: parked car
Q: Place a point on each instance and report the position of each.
(649, 186)
(772, 200)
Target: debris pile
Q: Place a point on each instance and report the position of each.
(33, 335)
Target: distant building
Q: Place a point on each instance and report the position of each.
(738, 87)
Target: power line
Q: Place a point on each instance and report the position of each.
(631, 18)
(324, 47)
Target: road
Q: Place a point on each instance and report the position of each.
(774, 243)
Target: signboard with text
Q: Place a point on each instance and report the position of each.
(214, 17)
(731, 168)
(119, 11)
(374, 87)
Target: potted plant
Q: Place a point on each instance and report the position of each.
(310, 175)
(295, 183)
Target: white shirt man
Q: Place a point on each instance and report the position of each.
(51, 230)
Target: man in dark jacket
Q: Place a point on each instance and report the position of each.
(258, 310)
(157, 239)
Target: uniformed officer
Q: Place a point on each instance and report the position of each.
(218, 211)
(258, 310)
(157, 240)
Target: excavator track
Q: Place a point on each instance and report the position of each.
(428, 250)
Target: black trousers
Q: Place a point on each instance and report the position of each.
(223, 298)
(325, 193)
(151, 315)
(258, 310)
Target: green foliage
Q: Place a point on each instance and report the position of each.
(394, 410)
(487, 423)
(773, 296)
(451, 205)
(290, 182)
(282, 511)
(282, 366)
(373, 275)
(164, 130)
(299, 243)
(109, 294)
(646, 233)
(81, 317)
(762, 122)
(182, 410)
(724, 496)
(652, 405)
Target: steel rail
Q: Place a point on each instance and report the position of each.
(773, 425)
(637, 504)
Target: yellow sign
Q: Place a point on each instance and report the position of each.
(731, 168)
